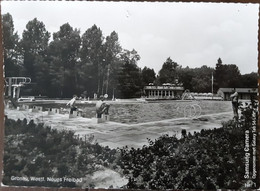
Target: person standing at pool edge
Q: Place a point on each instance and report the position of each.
(72, 103)
(102, 107)
(234, 100)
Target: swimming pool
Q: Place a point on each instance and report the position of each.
(139, 112)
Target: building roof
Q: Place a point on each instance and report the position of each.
(239, 90)
(164, 88)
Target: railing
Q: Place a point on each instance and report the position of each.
(14, 81)
(163, 88)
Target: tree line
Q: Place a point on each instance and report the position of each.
(89, 63)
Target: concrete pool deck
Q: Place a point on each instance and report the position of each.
(114, 134)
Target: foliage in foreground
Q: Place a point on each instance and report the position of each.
(211, 159)
(36, 151)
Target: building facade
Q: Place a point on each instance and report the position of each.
(163, 92)
(243, 93)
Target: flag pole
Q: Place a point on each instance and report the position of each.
(212, 79)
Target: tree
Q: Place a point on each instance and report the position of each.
(232, 76)
(249, 80)
(100, 62)
(90, 60)
(202, 79)
(219, 72)
(226, 75)
(148, 76)
(168, 72)
(130, 76)
(34, 43)
(185, 77)
(12, 60)
(64, 51)
(111, 63)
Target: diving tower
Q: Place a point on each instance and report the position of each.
(14, 85)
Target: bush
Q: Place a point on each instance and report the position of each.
(35, 150)
(211, 159)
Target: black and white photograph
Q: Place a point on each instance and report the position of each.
(130, 95)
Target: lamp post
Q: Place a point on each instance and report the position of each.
(113, 98)
(108, 70)
(212, 79)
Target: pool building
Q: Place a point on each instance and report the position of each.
(165, 91)
(243, 93)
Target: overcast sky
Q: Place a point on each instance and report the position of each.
(192, 34)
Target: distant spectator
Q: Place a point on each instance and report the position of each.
(72, 103)
(101, 107)
(234, 100)
(183, 133)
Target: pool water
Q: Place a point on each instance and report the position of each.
(146, 112)
(140, 112)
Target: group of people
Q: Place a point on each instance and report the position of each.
(101, 106)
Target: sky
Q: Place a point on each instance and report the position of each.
(191, 34)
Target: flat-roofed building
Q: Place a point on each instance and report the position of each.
(243, 93)
(165, 91)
